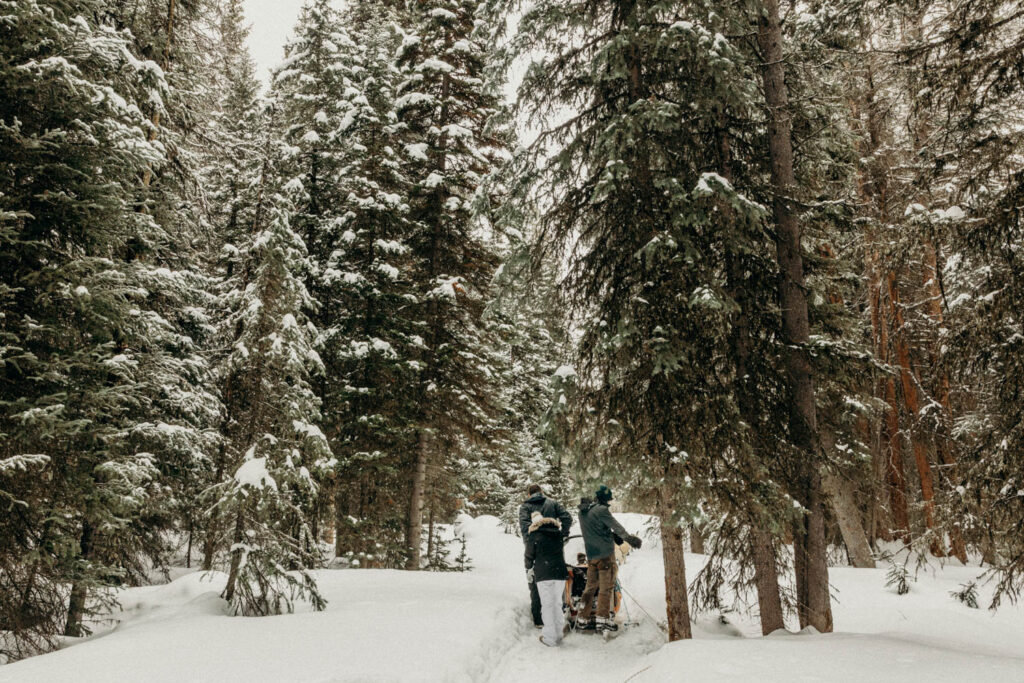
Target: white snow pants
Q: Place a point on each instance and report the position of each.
(551, 610)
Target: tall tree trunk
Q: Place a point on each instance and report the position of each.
(809, 543)
(677, 604)
(79, 592)
(430, 531)
(909, 387)
(415, 528)
(896, 481)
(766, 578)
(847, 513)
(340, 512)
(944, 438)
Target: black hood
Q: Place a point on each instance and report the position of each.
(536, 498)
(586, 504)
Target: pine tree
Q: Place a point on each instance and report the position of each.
(230, 176)
(104, 389)
(278, 452)
(648, 230)
(452, 138)
(370, 341)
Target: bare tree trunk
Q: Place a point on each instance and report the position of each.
(847, 513)
(766, 578)
(677, 604)
(917, 443)
(209, 547)
(340, 510)
(430, 531)
(944, 438)
(809, 545)
(696, 540)
(188, 551)
(212, 526)
(79, 593)
(895, 473)
(415, 528)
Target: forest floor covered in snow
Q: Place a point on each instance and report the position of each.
(383, 625)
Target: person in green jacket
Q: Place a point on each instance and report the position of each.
(600, 531)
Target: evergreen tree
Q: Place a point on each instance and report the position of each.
(452, 138)
(231, 177)
(370, 341)
(277, 451)
(104, 384)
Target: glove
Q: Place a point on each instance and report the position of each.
(634, 541)
(615, 537)
(529, 575)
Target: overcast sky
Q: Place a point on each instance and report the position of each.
(272, 22)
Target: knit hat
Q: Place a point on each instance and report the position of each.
(603, 494)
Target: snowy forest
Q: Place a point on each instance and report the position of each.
(753, 264)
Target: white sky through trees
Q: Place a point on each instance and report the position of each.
(272, 22)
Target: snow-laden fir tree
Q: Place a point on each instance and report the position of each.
(230, 175)
(452, 138)
(309, 87)
(369, 339)
(104, 391)
(277, 452)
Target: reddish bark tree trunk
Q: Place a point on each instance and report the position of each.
(944, 439)
(766, 578)
(908, 385)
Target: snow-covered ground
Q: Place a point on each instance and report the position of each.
(399, 626)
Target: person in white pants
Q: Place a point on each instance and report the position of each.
(551, 593)
(545, 565)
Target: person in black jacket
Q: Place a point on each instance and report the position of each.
(547, 507)
(545, 568)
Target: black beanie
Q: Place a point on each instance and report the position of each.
(603, 494)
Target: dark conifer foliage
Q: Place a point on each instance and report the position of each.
(105, 394)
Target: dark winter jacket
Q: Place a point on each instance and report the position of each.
(548, 507)
(544, 552)
(599, 530)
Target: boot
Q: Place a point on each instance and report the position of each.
(607, 625)
(586, 624)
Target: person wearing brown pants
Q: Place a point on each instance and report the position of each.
(600, 530)
(601, 575)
